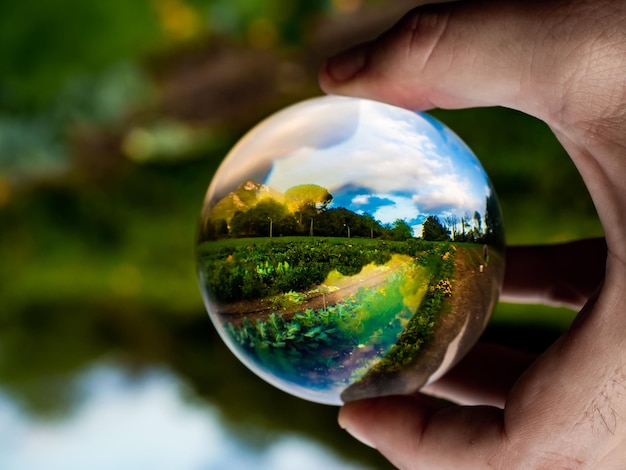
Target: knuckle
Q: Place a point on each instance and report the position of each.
(424, 27)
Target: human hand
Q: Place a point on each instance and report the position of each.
(565, 63)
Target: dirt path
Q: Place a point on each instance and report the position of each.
(371, 276)
(473, 298)
(474, 294)
(456, 330)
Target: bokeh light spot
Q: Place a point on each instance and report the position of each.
(138, 144)
(347, 6)
(126, 280)
(262, 33)
(178, 19)
(5, 191)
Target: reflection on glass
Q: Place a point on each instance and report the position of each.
(350, 249)
(146, 422)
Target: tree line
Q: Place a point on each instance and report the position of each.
(270, 218)
(308, 215)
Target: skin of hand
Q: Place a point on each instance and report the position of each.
(563, 62)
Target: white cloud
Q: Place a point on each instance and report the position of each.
(368, 161)
(311, 124)
(338, 142)
(391, 151)
(453, 195)
(361, 199)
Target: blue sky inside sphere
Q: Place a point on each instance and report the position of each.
(372, 157)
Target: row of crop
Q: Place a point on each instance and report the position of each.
(313, 339)
(289, 346)
(263, 270)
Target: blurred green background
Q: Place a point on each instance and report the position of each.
(113, 117)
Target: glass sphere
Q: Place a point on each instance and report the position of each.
(350, 249)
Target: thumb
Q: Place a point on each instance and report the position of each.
(462, 54)
(415, 432)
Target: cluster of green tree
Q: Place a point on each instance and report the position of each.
(468, 228)
(305, 211)
(461, 229)
(270, 218)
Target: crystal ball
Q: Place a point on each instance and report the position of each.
(350, 249)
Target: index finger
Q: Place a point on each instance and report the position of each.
(560, 275)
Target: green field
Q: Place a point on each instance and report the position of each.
(235, 269)
(401, 291)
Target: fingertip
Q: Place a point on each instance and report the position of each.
(351, 419)
(347, 65)
(324, 78)
(404, 428)
(377, 422)
(339, 71)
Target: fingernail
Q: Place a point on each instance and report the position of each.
(348, 64)
(344, 423)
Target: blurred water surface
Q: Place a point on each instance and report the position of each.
(151, 421)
